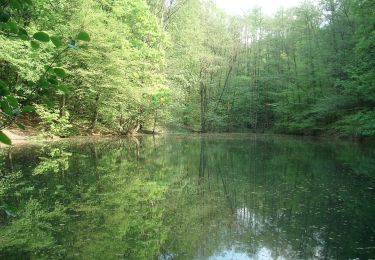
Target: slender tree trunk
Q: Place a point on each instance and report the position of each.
(96, 112)
(155, 118)
(62, 105)
(203, 111)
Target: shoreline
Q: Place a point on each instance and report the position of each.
(23, 137)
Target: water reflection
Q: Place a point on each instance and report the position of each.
(187, 197)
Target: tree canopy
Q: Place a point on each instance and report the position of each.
(127, 66)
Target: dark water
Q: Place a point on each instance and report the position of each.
(188, 197)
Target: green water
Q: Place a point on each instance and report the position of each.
(188, 197)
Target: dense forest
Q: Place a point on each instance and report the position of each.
(74, 67)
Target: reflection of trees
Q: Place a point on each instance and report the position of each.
(56, 162)
(83, 201)
(186, 197)
(278, 198)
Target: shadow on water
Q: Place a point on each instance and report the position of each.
(188, 197)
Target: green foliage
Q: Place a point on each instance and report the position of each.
(361, 123)
(41, 36)
(25, 72)
(52, 122)
(57, 41)
(59, 72)
(5, 139)
(56, 162)
(35, 45)
(83, 36)
(303, 70)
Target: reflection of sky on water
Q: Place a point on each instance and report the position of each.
(229, 254)
(247, 219)
(232, 254)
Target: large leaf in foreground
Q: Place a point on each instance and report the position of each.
(4, 138)
(83, 36)
(41, 36)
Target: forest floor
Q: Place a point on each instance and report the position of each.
(18, 136)
(32, 134)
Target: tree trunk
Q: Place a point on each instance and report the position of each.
(96, 112)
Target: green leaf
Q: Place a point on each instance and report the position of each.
(83, 36)
(12, 101)
(43, 83)
(5, 107)
(48, 68)
(53, 80)
(4, 16)
(4, 90)
(41, 36)
(28, 108)
(2, 84)
(4, 138)
(13, 28)
(22, 33)
(16, 4)
(35, 45)
(59, 72)
(56, 40)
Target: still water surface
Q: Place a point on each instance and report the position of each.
(188, 197)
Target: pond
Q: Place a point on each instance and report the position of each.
(188, 197)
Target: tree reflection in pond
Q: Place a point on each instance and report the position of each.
(188, 197)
